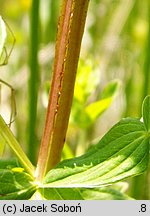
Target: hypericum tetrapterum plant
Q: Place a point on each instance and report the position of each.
(123, 152)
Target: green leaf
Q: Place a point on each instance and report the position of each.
(105, 193)
(67, 152)
(113, 192)
(95, 109)
(111, 89)
(9, 164)
(3, 34)
(146, 113)
(61, 193)
(123, 152)
(87, 79)
(15, 184)
(84, 116)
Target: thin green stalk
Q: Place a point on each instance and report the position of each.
(69, 36)
(52, 21)
(9, 138)
(146, 84)
(33, 81)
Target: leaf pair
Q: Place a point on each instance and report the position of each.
(123, 152)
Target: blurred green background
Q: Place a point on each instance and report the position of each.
(113, 73)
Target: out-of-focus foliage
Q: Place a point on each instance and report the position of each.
(85, 112)
(114, 46)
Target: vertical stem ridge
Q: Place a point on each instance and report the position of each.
(69, 36)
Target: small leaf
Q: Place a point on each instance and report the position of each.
(84, 116)
(84, 87)
(111, 89)
(146, 112)
(67, 152)
(123, 152)
(95, 109)
(15, 184)
(3, 34)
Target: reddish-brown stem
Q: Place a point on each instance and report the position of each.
(69, 36)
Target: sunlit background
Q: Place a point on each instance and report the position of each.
(113, 72)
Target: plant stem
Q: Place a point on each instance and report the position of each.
(52, 21)
(69, 36)
(9, 138)
(33, 81)
(146, 87)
